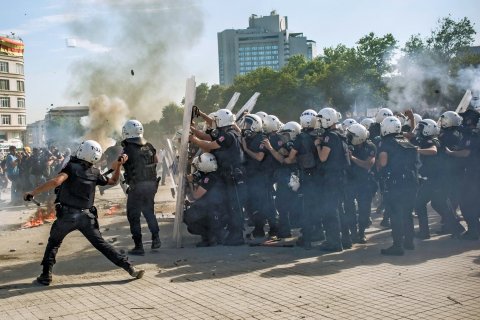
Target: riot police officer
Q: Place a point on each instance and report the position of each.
(334, 157)
(303, 152)
(225, 146)
(397, 163)
(205, 216)
(361, 185)
(75, 210)
(469, 152)
(141, 177)
(252, 137)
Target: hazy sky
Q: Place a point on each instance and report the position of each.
(43, 25)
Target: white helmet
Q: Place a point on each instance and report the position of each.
(347, 123)
(206, 162)
(132, 129)
(328, 117)
(224, 118)
(292, 128)
(390, 125)
(450, 119)
(262, 115)
(382, 114)
(89, 151)
(367, 122)
(271, 123)
(357, 134)
(253, 122)
(428, 128)
(308, 119)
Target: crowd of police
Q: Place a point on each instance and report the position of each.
(321, 175)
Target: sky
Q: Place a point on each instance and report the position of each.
(44, 26)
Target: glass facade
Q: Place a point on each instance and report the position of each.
(253, 56)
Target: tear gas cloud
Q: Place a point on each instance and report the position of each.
(146, 36)
(413, 80)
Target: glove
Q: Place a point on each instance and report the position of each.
(294, 182)
(27, 196)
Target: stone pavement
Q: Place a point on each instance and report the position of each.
(438, 280)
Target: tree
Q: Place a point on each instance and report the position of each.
(172, 116)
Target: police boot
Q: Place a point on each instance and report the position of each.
(134, 272)
(234, 239)
(156, 243)
(361, 237)
(138, 249)
(393, 251)
(46, 277)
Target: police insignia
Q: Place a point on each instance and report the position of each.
(280, 143)
(261, 146)
(221, 138)
(326, 139)
(467, 143)
(206, 180)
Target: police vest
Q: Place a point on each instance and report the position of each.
(78, 190)
(403, 159)
(231, 156)
(339, 156)
(141, 164)
(308, 157)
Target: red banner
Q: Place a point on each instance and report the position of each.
(11, 47)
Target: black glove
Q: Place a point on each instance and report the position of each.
(196, 111)
(28, 197)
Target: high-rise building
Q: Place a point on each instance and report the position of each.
(265, 43)
(13, 118)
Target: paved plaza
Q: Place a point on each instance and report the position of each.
(438, 280)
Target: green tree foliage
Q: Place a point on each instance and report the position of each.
(172, 116)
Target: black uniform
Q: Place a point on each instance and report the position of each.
(470, 187)
(333, 172)
(75, 211)
(430, 190)
(141, 177)
(230, 159)
(205, 217)
(361, 186)
(399, 178)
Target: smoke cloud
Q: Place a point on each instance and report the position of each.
(105, 120)
(144, 42)
(427, 85)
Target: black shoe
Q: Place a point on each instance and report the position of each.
(45, 279)
(258, 233)
(156, 243)
(282, 235)
(408, 245)
(361, 238)
(202, 244)
(422, 235)
(301, 242)
(136, 273)
(137, 251)
(467, 235)
(392, 251)
(330, 248)
(385, 223)
(234, 241)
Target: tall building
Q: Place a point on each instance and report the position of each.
(63, 125)
(265, 43)
(36, 134)
(13, 115)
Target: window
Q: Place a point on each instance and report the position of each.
(4, 66)
(4, 84)
(21, 103)
(6, 119)
(20, 86)
(4, 102)
(19, 68)
(22, 119)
